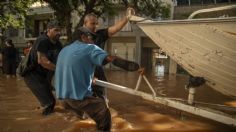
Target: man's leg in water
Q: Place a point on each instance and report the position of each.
(95, 108)
(41, 88)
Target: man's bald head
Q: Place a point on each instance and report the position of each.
(90, 22)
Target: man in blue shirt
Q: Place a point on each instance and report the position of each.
(74, 75)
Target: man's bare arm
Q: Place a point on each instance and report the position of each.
(117, 27)
(120, 24)
(44, 62)
(122, 63)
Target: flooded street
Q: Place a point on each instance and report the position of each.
(20, 111)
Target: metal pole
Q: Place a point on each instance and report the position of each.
(211, 10)
(149, 85)
(191, 93)
(210, 114)
(138, 83)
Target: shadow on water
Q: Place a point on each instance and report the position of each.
(20, 111)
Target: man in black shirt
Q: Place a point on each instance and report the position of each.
(90, 22)
(44, 56)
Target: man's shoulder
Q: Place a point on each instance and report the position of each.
(42, 38)
(94, 48)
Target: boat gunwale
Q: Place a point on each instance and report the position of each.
(187, 21)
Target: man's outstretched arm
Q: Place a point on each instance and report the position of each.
(122, 63)
(120, 24)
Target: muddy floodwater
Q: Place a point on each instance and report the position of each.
(21, 112)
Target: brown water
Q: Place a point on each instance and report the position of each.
(20, 111)
(172, 86)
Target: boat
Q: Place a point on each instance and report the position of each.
(206, 48)
(203, 47)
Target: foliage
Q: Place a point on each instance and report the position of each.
(150, 8)
(12, 12)
(64, 8)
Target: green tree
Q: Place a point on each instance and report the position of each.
(149, 8)
(12, 13)
(64, 8)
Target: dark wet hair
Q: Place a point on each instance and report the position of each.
(82, 31)
(9, 41)
(30, 41)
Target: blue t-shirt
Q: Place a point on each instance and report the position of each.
(75, 68)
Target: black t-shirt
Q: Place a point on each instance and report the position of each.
(9, 53)
(102, 36)
(45, 46)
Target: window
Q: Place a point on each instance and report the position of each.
(13, 32)
(34, 28)
(197, 2)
